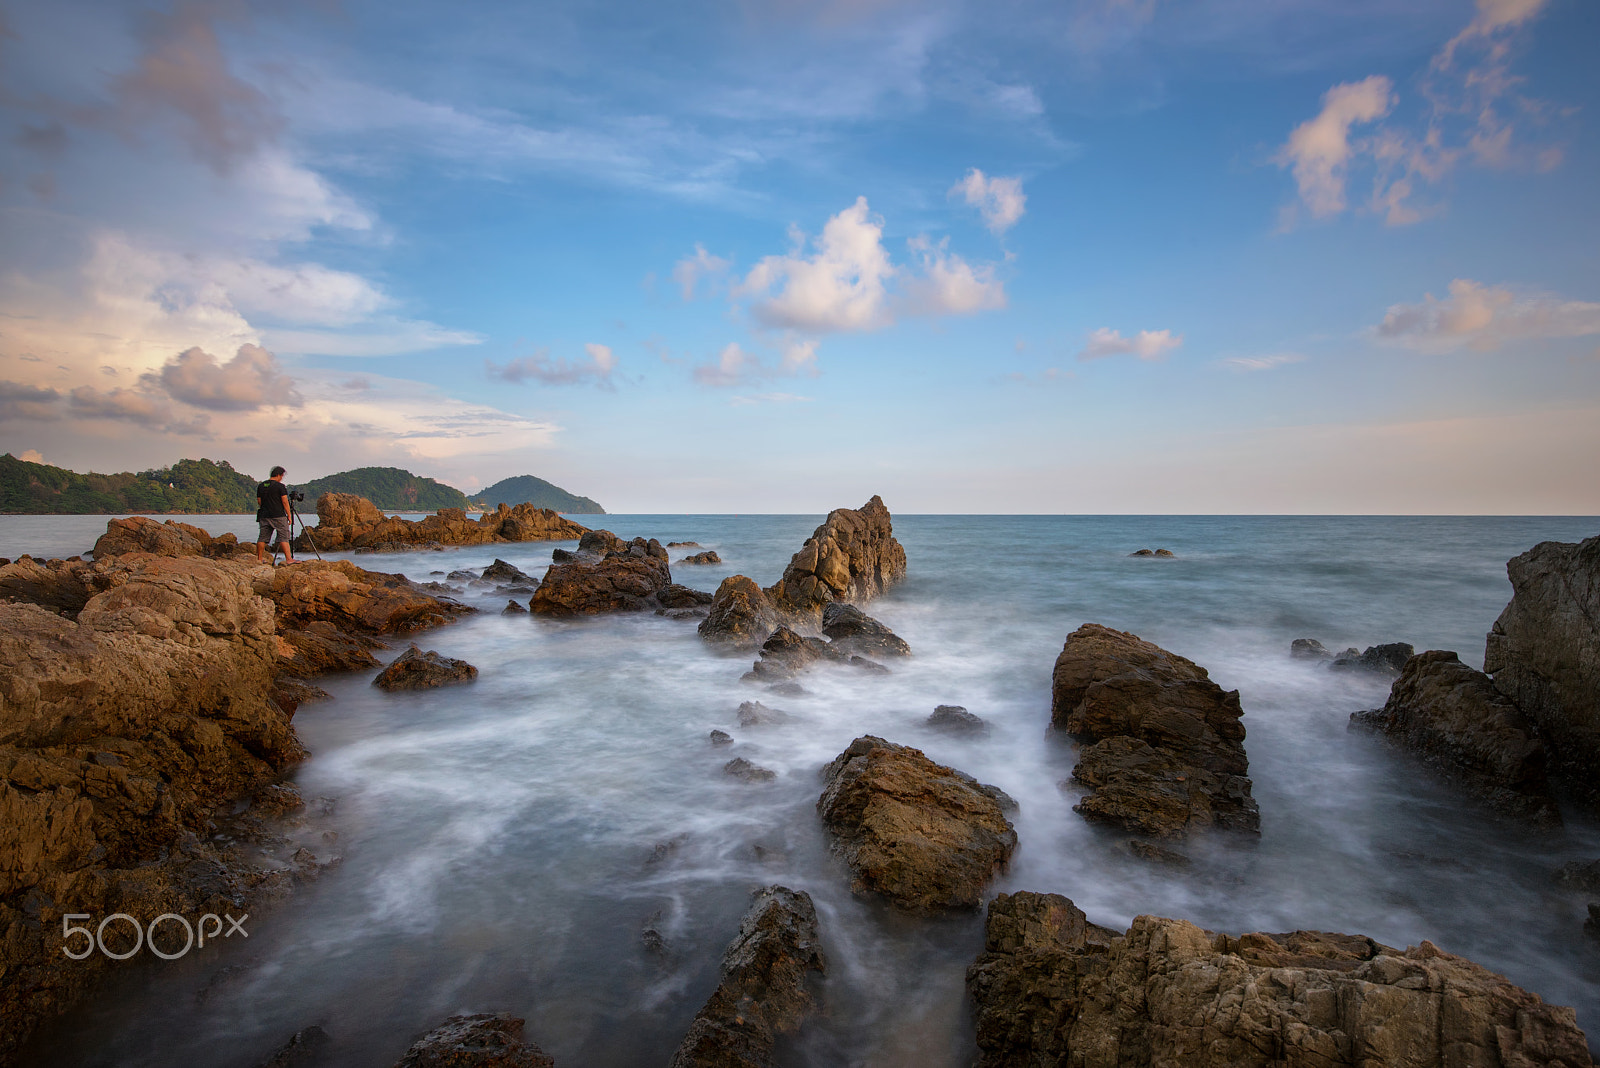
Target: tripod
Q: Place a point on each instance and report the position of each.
(295, 517)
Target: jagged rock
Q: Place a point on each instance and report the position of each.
(721, 737)
(1145, 850)
(1544, 654)
(513, 608)
(500, 571)
(62, 586)
(462, 575)
(1579, 875)
(674, 596)
(1165, 552)
(320, 647)
(1052, 988)
(1454, 718)
(756, 714)
(853, 631)
(482, 1040)
(351, 598)
(627, 578)
(683, 545)
(1379, 659)
(1163, 750)
(742, 769)
(741, 615)
(1309, 649)
(765, 990)
(957, 720)
(138, 534)
(305, 1049)
(346, 521)
(852, 556)
(418, 670)
(927, 837)
(786, 653)
(707, 557)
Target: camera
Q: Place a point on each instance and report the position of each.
(297, 495)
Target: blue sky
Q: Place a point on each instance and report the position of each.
(1110, 256)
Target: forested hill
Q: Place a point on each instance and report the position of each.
(390, 488)
(537, 492)
(186, 486)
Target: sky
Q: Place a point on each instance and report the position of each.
(1078, 256)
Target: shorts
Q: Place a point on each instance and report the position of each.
(278, 525)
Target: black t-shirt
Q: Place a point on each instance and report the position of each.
(274, 500)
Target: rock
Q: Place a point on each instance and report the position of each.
(925, 836)
(683, 545)
(138, 534)
(305, 1049)
(346, 521)
(1378, 659)
(1142, 552)
(627, 578)
(721, 738)
(500, 571)
(462, 575)
(513, 608)
(562, 556)
(482, 1040)
(852, 556)
(1150, 851)
(853, 631)
(1591, 926)
(765, 990)
(320, 647)
(741, 615)
(756, 714)
(742, 769)
(957, 720)
(1308, 649)
(61, 586)
(1579, 875)
(1052, 988)
(1163, 750)
(1454, 719)
(676, 596)
(786, 653)
(707, 557)
(418, 670)
(351, 598)
(1544, 654)
(1165, 553)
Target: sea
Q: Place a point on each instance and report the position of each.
(558, 839)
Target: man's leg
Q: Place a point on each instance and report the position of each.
(263, 532)
(284, 537)
(261, 552)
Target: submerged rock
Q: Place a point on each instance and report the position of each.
(482, 1040)
(1052, 988)
(1387, 659)
(683, 545)
(418, 670)
(721, 737)
(1453, 717)
(766, 986)
(305, 1049)
(707, 557)
(500, 571)
(1309, 649)
(852, 556)
(514, 608)
(744, 770)
(1163, 750)
(853, 631)
(957, 720)
(741, 615)
(785, 654)
(925, 836)
(1544, 654)
(756, 714)
(628, 577)
(1163, 553)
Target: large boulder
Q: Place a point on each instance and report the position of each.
(627, 578)
(741, 615)
(765, 988)
(1052, 988)
(852, 556)
(1544, 654)
(138, 534)
(481, 1040)
(1163, 748)
(418, 670)
(785, 654)
(927, 837)
(346, 521)
(351, 598)
(1388, 659)
(1453, 717)
(853, 631)
(63, 586)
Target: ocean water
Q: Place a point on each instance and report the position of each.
(507, 844)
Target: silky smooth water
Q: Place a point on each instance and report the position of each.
(507, 843)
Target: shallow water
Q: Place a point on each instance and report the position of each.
(506, 844)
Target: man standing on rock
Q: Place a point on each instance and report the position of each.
(272, 513)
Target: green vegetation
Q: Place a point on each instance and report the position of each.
(390, 488)
(187, 486)
(539, 493)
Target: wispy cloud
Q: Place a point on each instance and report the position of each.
(742, 400)
(1146, 344)
(1000, 201)
(1261, 363)
(596, 367)
(702, 265)
(1485, 318)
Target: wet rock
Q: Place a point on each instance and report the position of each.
(1454, 719)
(1163, 553)
(351, 598)
(1579, 875)
(319, 647)
(305, 1049)
(957, 720)
(721, 738)
(1379, 659)
(852, 556)
(513, 608)
(683, 545)
(462, 575)
(681, 613)
(766, 986)
(1544, 654)
(1163, 748)
(418, 670)
(853, 631)
(676, 596)
(707, 557)
(1309, 649)
(1150, 851)
(785, 654)
(1053, 988)
(627, 578)
(500, 571)
(1142, 552)
(756, 714)
(346, 521)
(927, 837)
(138, 534)
(742, 769)
(741, 615)
(482, 1040)
(562, 556)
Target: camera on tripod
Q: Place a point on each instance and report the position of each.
(297, 495)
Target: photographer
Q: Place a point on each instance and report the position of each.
(272, 513)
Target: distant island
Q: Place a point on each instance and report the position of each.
(213, 486)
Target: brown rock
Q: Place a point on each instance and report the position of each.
(482, 1040)
(627, 578)
(1052, 988)
(853, 631)
(741, 615)
(1164, 750)
(320, 647)
(707, 557)
(1544, 654)
(138, 534)
(765, 989)
(852, 556)
(925, 836)
(743, 770)
(1454, 718)
(61, 586)
(346, 521)
(353, 599)
(418, 670)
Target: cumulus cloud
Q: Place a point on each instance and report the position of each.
(31, 456)
(691, 269)
(1319, 149)
(1485, 318)
(1262, 363)
(142, 408)
(1146, 344)
(18, 400)
(735, 366)
(949, 284)
(999, 200)
(841, 285)
(251, 380)
(732, 367)
(540, 368)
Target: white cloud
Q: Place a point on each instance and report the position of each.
(382, 336)
(1262, 363)
(691, 269)
(540, 368)
(1319, 149)
(733, 366)
(1146, 344)
(31, 456)
(949, 285)
(842, 285)
(1000, 201)
(604, 359)
(1485, 318)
